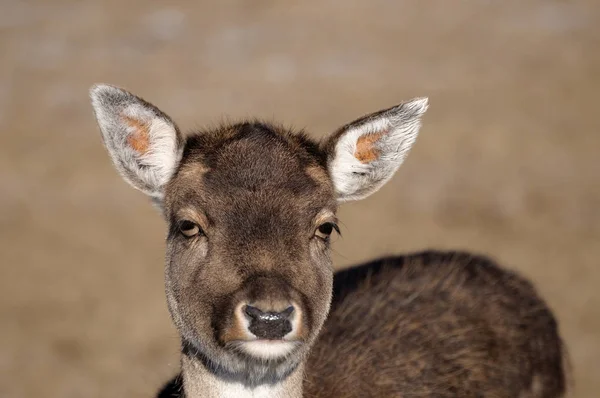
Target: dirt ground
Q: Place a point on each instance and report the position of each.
(506, 163)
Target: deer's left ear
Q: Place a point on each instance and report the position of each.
(365, 154)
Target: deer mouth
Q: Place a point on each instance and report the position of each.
(267, 349)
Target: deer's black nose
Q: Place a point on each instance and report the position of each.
(269, 324)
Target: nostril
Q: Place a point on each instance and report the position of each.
(253, 312)
(288, 311)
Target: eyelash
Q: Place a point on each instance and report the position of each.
(189, 229)
(325, 234)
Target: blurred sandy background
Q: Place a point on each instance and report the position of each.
(507, 162)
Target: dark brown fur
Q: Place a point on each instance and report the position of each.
(436, 324)
(258, 192)
(432, 324)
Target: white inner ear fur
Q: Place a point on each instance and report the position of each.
(398, 128)
(162, 154)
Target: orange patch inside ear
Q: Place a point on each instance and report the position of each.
(366, 151)
(139, 139)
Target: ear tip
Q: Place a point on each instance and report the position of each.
(99, 88)
(418, 105)
(101, 92)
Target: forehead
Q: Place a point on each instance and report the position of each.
(251, 168)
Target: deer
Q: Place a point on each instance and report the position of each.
(251, 208)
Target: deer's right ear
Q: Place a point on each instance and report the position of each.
(144, 143)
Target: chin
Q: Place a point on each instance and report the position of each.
(268, 349)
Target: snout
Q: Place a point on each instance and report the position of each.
(269, 325)
(267, 320)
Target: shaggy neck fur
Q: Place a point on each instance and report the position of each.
(199, 382)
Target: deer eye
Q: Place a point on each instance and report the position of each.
(189, 228)
(325, 230)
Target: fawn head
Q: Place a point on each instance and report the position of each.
(250, 209)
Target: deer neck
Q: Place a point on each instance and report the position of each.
(199, 382)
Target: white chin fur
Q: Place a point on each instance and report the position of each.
(266, 349)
